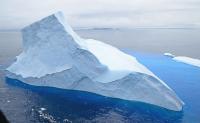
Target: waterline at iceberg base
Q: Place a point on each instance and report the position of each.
(81, 106)
(55, 56)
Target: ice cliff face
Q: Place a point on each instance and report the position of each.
(54, 55)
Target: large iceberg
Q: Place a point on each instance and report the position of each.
(54, 55)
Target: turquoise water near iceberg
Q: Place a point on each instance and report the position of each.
(24, 103)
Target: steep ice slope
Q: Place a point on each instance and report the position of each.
(53, 55)
(53, 47)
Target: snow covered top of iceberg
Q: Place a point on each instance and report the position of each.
(188, 60)
(118, 63)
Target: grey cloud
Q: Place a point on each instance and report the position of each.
(103, 13)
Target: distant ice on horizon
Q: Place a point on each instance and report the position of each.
(169, 55)
(184, 59)
(188, 60)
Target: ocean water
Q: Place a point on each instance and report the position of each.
(23, 103)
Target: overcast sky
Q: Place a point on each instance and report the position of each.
(15, 14)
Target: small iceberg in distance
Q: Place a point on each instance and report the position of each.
(55, 56)
(169, 55)
(187, 60)
(184, 59)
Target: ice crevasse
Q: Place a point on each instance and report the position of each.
(55, 56)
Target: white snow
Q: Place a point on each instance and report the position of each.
(43, 109)
(169, 55)
(54, 55)
(187, 60)
(119, 64)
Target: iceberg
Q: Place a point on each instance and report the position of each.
(169, 55)
(55, 56)
(184, 59)
(187, 60)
